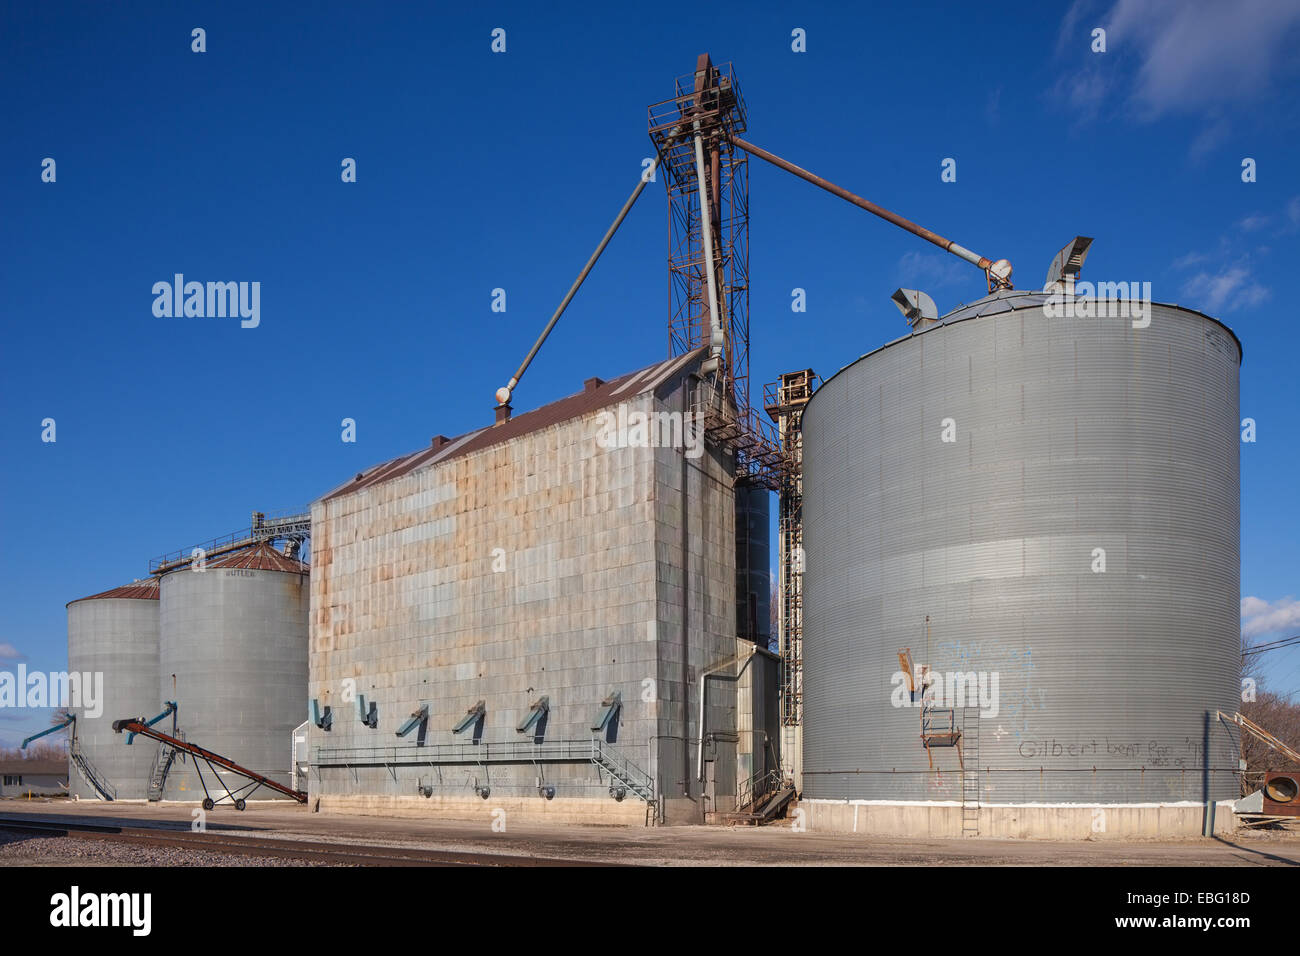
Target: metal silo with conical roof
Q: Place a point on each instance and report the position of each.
(115, 634)
(233, 655)
(1045, 503)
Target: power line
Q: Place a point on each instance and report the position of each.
(1272, 646)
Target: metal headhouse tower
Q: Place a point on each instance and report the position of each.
(706, 177)
(708, 293)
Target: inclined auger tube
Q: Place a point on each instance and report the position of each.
(998, 272)
(706, 222)
(504, 393)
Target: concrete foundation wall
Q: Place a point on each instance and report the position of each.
(501, 813)
(1074, 822)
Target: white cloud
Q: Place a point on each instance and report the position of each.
(1229, 289)
(1191, 259)
(1210, 59)
(1260, 617)
(928, 270)
(10, 653)
(1084, 91)
(1253, 222)
(1069, 24)
(1202, 53)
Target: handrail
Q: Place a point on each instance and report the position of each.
(749, 794)
(91, 774)
(590, 750)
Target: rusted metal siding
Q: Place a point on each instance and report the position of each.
(1071, 435)
(595, 395)
(541, 565)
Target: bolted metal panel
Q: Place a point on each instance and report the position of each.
(118, 638)
(236, 640)
(1068, 435)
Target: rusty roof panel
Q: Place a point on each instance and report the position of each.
(146, 590)
(590, 399)
(260, 557)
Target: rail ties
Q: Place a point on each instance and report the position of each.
(306, 851)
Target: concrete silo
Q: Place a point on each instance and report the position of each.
(115, 634)
(1045, 511)
(233, 639)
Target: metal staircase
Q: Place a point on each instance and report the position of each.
(628, 775)
(162, 764)
(760, 799)
(970, 772)
(93, 777)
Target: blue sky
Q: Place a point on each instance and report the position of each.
(478, 170)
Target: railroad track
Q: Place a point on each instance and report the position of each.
(307, 851)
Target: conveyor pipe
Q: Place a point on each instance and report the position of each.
(504, 393)
(999, 272)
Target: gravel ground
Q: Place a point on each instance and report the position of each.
(677, 846)
(23, 849)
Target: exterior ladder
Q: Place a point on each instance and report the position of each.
(970, 772)
(162, 765)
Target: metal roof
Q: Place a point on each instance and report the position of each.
(595, 395)
(35, 767)
(146, 590)
(1013, 300)
(260, 557)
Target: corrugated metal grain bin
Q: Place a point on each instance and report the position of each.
(115, 634)
(1060, 497)
(235, 638)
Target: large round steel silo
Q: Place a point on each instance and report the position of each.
(113, 644)
(233, 655)
(1044, 511)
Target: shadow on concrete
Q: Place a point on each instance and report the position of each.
(1245, 849)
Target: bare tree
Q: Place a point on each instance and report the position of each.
(1279, 716)
(53, 747)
